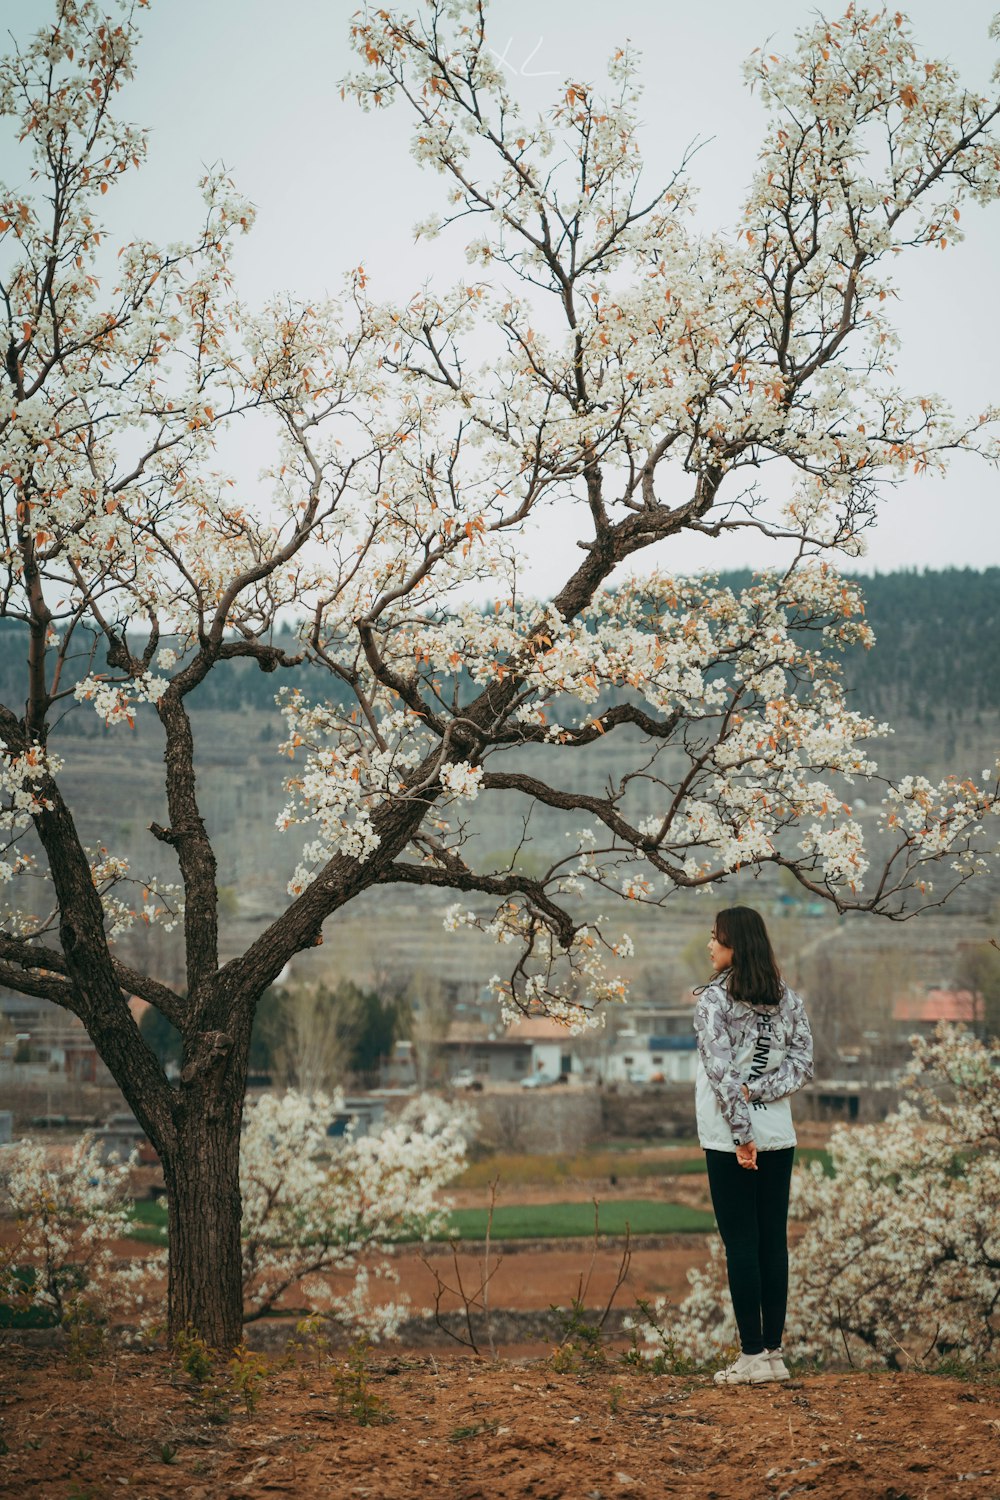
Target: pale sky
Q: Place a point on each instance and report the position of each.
(254, 83)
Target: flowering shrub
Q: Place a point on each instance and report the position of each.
(313, 1206)
(901, 1252)
(310, 1206)
(68, 1215)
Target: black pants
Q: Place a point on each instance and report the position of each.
(751, 1210)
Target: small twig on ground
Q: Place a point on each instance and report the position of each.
(578, 1335)
(930, 1347)
(622, 1276)
(913, 1358)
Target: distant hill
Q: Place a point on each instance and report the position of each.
(934, 675)
(936, 650)
(935, 653)
(936, 656)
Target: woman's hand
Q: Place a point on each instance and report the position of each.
(747, 1156)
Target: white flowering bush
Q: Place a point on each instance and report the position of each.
(314, 1205)
(900, 1258)
(67, 1214)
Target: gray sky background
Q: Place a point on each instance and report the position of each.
(254, 83)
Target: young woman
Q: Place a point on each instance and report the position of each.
(754, 1050)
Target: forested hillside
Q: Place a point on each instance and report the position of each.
(936, 648)
(936, 655)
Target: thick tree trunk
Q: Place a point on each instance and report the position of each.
(204, 1206)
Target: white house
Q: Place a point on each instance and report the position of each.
(659, 1048)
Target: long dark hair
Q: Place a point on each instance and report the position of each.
(753, 975)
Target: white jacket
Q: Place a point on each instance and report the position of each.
(768, 1049)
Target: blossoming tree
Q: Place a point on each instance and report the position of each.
(67, 1216)
(311, 1207)
(606, 359)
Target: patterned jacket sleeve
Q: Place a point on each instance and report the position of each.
(795, 1068)
(715, 1047)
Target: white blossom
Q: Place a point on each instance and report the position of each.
(313, 1206)
(69, 1210)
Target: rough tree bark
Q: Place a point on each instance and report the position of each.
(202, 1177)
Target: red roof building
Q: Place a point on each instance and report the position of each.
(936, 1005)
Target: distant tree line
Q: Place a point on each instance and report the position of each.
(935, 654)
(309, 1037)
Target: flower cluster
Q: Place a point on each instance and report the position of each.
(22, 796)
(319, 1211)
(115, 702)
(346, 774)
(159, 901)
(21, 778)
(571, 978)
(462, 780)
(68, 1214)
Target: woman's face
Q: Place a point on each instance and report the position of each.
(721, 956)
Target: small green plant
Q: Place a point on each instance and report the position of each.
(615, 1393)
(477, 1429)
(168, 1453)
(247, 1375)
(311, 1337)
(86, 1337)
(667, 1360)
(355, 1396)
(194, 1356)
(198, 1362)
(961, 1369)
(581, 1346)
(151, 1335)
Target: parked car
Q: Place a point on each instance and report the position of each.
(539, 1080)
(467, 1080)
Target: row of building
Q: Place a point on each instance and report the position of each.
(40, 1042)
(656, 1046)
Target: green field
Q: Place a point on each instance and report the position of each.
(548, 1220)
(524, 1169)
(529, 1221)
(532, 1221)
(149, 1223)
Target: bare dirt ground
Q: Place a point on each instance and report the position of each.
(441, 1421)
(456, 1427)
(533, 1279)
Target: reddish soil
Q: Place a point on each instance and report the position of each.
(535, 1279)
(455, 1427)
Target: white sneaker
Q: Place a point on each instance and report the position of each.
(779, 1370)
(748, 1369)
